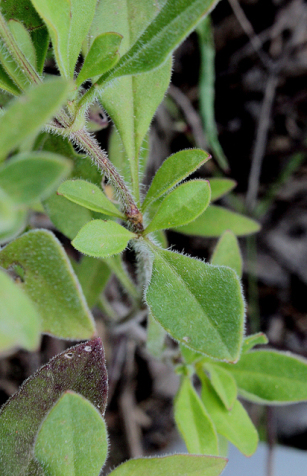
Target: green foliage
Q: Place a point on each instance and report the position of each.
(93, 275)
(47, 277)
(20, 323)
(223, 383)
(155, 337)
(80, 369)
(102, 239)
(227, 253)
(220, 186)
(72, 439)
(252, 340)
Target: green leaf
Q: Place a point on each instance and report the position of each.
(28, 113)
(174, 169)
(193, 422)
(68, 217)
(181, 206)
(31, 176)
(117, 266)
(227, 253)
(101, 239)
(270, 377)
(216, 220)
(89, 196)
(190, 356)
(255, 339)
(18, 225)
(6, 83)
(49, 280)
(170, 27)
(128, 93)
(179, 465)
(23, 40)
(223, 383)
(155, 341)
(234, 424)
(93, 275)
(8, 212)
(211, 304)
(68, 24)
(102, 56)
(72, 439)
(80, 369)
(220, 186)
(19, 319)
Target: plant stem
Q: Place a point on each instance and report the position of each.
(90, 145)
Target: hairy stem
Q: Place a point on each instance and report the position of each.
(90, 145)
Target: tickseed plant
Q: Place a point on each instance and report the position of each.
(54, 426)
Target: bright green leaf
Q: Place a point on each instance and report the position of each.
(93, 275)
(174, 169)
(101, 239)
(227, 253)
(181, 206)
(72, 440)
(89, 196)
(80, 369)
(23, 40)
(32, 176)
(193, 422)
(216, 220)
(179, 465)
(28, 113)
(211, 314)
(102, 56)
(270, 377)
(155, 341)
(220, 186)
(255, 339)
(68, 22)
(47, 277)
(19, 320)
(223, 383)
(234, 424)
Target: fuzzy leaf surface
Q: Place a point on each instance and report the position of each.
(68, 23)
(193, 421)
(28, 113)
(20, 324)
(220, 186)
(181, 206)
(216, 220)
(24, 41)
(234, 424)
(224, 384)
(72, 440)
(102, 56)
(174, 169)
(211, 305)
(101, 239)
(89, 196)
(227, 253)
(130, 18)
(31, 176)
(179, 465)
(252, 340)
(47, 277)
(270, 377)
(80, 369)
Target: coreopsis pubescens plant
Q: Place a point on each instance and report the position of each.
(54, 424)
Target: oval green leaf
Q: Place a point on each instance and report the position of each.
(80, 369)
(181, 206)
(72, 440)
(20, 323)
(174, 169)
(101, 239)
(46, 275)
(193, 421)
(223, 383)
(227, 253)
(220, 186)
(89, 196)
(216, 220)
(211, 317)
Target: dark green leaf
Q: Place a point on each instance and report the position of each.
(211, 305)
(72, 439)
(101, 239)
(80, 369)
(227, 253)
(216, 220)
(93, 275)
(49, 280)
